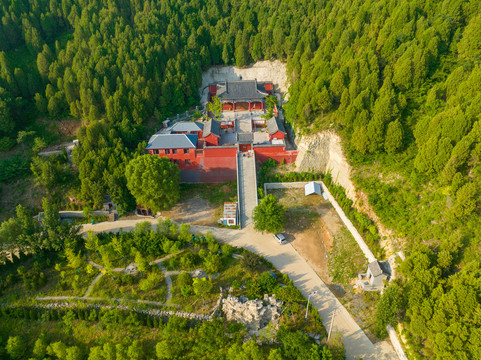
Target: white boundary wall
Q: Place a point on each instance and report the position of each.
(396, 343)
(360, 241)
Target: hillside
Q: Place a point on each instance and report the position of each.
(398, 80)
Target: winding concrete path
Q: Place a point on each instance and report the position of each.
(286, 259)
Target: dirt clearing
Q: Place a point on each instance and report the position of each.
(202, 204)
(311, 224)
(196, 211)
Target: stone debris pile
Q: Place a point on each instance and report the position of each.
(254, 314)
(131, 269)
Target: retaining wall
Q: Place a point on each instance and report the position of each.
(396, 343)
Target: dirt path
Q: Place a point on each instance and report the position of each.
(92, 284)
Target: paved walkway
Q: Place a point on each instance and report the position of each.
(287, 260)
(247, 188)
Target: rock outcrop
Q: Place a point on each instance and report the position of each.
(253, 313)
(323, 152)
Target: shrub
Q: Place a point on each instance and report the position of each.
(212, 263)
(187, 261)
(251, 261)
(6, 143)
(152, 280)
(227, 250)
(267, 282)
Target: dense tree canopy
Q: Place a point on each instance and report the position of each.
(269, 215)
(154, 181)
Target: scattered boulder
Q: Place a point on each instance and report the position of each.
(254, 314)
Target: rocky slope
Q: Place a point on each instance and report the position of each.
(323, 152)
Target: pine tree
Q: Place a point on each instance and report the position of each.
(394, 137)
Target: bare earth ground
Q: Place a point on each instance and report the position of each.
(311, 224)
(65, 128)
(196, 211)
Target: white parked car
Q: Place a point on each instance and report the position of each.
(280, 238)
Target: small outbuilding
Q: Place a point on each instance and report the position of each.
(373, 279)
(313, 188)
(230, 214)
(275, 128)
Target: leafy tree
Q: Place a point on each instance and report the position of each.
(202, 287)
(269, 215)
(470, 44)
(74, 260)
(40, 347)
(215, 107)
(153, 181)
(55, 233)
(6, 121)
(142, 263)
(15, 347)
(388, 309)
(58, 349)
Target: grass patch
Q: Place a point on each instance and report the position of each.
(128, 287)
(346, 259)
(216, 194)
(62, 282)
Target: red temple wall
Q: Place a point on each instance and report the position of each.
(181, 158)
(277, 135)
(277, 153)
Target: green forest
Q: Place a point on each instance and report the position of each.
(399, 80)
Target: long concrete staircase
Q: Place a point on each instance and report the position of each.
(246, 167)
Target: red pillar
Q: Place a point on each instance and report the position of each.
(262, 105)
(233, 106)
(249, 105)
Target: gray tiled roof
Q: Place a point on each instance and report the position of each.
(211, 127)
(241, 90)
(186, 126)
(375, 268)
(245, 138)
(172, 141)
(274, 125)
